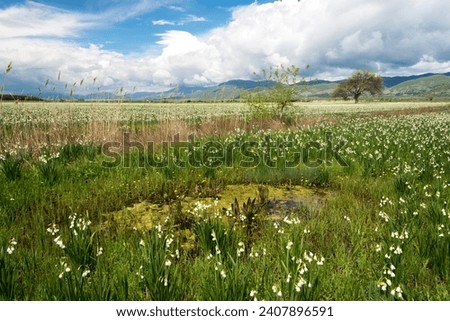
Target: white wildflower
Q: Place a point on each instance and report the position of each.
(53, 229)
(169, 241)
(382, 285)
(384, 216)
(300, 283)
(59, 242)
(289, 277)
(289, 245)
(398, 250)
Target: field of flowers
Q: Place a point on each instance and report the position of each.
(63, 113)
(375, 224)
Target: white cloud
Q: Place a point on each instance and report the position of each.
(176, 8)
(426, 64)
(163, 22)
(193, 18)
(36, 20)
(118, 11)
(188, 19)
(333, 37)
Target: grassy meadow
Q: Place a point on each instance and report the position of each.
(200, 201)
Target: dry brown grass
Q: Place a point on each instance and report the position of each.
(35, 137)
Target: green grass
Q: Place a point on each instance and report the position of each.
(382, 233)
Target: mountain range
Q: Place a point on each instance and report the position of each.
(416, 86)
(424, 86)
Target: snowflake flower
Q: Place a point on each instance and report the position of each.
(59, 242)
(289, 245)
(398, 250)
(53, 229)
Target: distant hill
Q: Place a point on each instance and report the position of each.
(248, 84)
(233, 89)
(425, 85)
(316, 88)
(394, 81)
(432, 86)
(421, 86)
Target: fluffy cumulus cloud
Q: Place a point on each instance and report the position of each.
(397, 37)
(336, 37)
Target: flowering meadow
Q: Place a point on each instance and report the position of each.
(83, 218)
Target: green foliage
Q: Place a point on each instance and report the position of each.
(226, 279)
(11, 166)
(299, 272)
(72, 152)
(277, 99)
(80, 246)
(8, 277)
(215, 237)
(160, 274)
(48, 168)
(357, 84)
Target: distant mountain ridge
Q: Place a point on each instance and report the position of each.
(393, 81)
(415, 85)
(426, 87)
(232, 89)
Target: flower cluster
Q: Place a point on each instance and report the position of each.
(78, 224)
(299, 267)
(65, 268)
(47, 158)
(11, 246)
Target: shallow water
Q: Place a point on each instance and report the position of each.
(280, 202)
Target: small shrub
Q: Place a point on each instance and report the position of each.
(276, 98)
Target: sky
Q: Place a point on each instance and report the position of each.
(153, 45)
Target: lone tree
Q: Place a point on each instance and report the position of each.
(359, 83)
